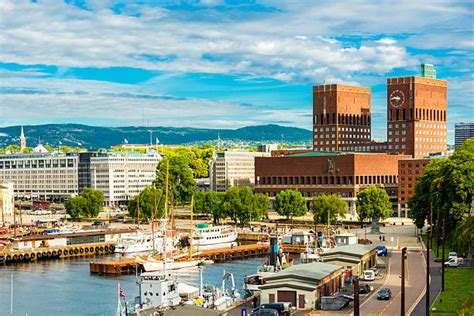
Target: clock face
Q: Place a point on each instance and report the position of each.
(397, 98)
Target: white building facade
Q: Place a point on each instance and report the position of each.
(40, 175)
(122, 175)
(233, 168)
(6, 199)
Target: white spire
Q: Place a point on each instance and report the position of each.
(22, 134)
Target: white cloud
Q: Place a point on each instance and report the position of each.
(296, 40)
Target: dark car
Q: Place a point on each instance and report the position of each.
(384, 294)
(364, 289)
(264, 312)
(283, 309)
(382, 251)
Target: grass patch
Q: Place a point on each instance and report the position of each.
(458, 297)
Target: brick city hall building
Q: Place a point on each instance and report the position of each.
(345, 160)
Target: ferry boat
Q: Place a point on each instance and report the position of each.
(205, 234)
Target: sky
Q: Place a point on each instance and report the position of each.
(221, 64)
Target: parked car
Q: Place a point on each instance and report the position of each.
(382, 251)
(376, 271)
(283, 309)
(264, 312)
(384, 294)
(365, 289)
(369, 275)
(453, 262)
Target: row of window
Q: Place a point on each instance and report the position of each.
(347, 119)
(38, 163)
(420, 114)
(305, 180)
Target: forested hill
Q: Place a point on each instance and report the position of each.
(76, 135)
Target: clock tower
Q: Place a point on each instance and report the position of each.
(416, 116)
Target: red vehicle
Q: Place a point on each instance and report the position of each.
(41, 203)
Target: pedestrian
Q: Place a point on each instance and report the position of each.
(383, 238)
(255, 302)
(380, 237)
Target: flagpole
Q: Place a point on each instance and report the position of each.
(11, 295)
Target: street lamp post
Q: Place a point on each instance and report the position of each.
(402, 303)
(427, 306)
(356, 297)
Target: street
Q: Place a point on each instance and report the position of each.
(414, 285)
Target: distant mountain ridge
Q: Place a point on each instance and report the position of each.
(86, 136)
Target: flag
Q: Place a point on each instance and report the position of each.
(227, 276)
(125, 141)
(121, 294)
(157, 141)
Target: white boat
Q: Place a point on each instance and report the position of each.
(205, 234)
(157, 292)
(141, 243)
(152, 265)
(213, 297)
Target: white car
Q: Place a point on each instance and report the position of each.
(453, 262)
(369, 275)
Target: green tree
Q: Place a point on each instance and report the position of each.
(87, 204)
(12, 148)
(94, 201)
(290, 203)
(262, 203)
(446, 187)
(239, 204)
(75, 206)
(327, 207)
(210, 202)
(147, 203)
(181, 182)
(373, 202)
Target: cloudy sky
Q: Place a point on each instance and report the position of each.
(213, 63)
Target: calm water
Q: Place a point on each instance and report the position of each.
(66, 287)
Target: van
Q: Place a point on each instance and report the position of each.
(369, 275)
(283, 308)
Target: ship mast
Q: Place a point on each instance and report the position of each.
(165, 237)
(153, 220)
(138, 206)
(191, 230)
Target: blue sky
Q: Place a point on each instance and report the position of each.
(221, 64)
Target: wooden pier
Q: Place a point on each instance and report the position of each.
(52, 252)
(129, 265)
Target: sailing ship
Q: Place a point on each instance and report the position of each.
(151, 264)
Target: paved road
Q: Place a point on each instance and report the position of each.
(435, 287)
(414, 285)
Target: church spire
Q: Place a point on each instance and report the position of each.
(22, 140)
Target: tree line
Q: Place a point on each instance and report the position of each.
(445, 188)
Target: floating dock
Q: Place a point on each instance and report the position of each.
(12, 256)
(130, 265)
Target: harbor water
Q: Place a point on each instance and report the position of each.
(66, 287)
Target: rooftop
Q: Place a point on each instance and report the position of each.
(356, 249)
(315, 270)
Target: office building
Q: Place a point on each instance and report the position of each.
(6, 199)
(416, 116)
(462, 131)
(344, 174)
(122, 175)
(409, 172)
(84, 169)
(341, 117)
(49, 176)
(233, 167)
